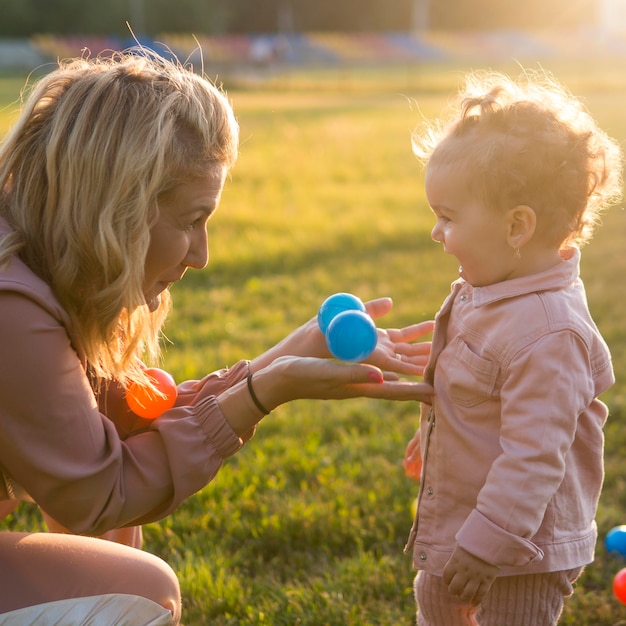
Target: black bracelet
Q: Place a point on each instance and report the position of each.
(253, 396)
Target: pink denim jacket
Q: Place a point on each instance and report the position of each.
(513, 444)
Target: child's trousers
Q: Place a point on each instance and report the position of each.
(531, 599)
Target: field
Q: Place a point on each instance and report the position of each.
(307, 524)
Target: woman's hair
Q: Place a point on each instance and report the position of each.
(530, 143)
(97, 143)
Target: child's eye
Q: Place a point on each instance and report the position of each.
(441, 217)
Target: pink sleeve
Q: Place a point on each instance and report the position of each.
(536, 434)
(68, 455)
(494, 544)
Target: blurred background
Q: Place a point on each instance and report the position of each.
(265, 33)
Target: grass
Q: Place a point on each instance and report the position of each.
(306, 525)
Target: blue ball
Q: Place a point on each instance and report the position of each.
(335, 304)
(351, 336)
(615, 540)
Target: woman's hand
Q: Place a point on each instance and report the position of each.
(289, 378)
(394, 354)
(302, 367)
(395, 351)
(293, 377)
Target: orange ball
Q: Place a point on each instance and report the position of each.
(144, 402)
(619, 586)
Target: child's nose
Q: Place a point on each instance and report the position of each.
(436, 233)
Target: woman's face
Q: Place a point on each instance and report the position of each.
(178, 239)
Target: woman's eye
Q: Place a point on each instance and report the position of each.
(194, 224)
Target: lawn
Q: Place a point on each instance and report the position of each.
(307, 524)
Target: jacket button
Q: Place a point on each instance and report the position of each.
(422, 556)
(430, 491)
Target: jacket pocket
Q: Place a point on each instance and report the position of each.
(473, 379)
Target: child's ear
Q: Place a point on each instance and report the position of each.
(522, 222)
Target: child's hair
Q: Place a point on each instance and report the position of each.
(528, 142)
(98, 141)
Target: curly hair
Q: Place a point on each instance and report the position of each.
(98, 141)
(528, 142)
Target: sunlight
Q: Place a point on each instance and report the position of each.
(458, 15)
(612, 15)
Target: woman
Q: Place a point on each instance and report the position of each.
(107, 182)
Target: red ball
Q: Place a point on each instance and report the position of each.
(144, 402)
(619, 586)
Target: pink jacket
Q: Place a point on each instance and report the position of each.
(513, 445)
(94, 467)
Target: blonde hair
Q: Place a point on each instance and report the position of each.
(528, 142)
(98, 141)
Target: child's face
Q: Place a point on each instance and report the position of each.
(472, 232)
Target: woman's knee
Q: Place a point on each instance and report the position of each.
(160, 584)
(169, 593)
(45, 567)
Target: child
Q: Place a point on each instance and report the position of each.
(512, 445)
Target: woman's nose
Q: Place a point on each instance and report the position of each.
(198, 253)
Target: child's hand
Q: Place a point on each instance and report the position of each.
(413, 457)
(468, 577)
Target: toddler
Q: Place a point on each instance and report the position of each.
(512, 446)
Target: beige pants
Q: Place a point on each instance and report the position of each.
(106, 610)
(535, 599)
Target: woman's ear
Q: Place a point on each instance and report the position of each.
(521, 225)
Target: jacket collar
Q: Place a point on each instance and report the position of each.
(557, 277)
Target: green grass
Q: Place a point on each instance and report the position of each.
(306, 525)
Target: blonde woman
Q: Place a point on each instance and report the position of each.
(107, 182)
